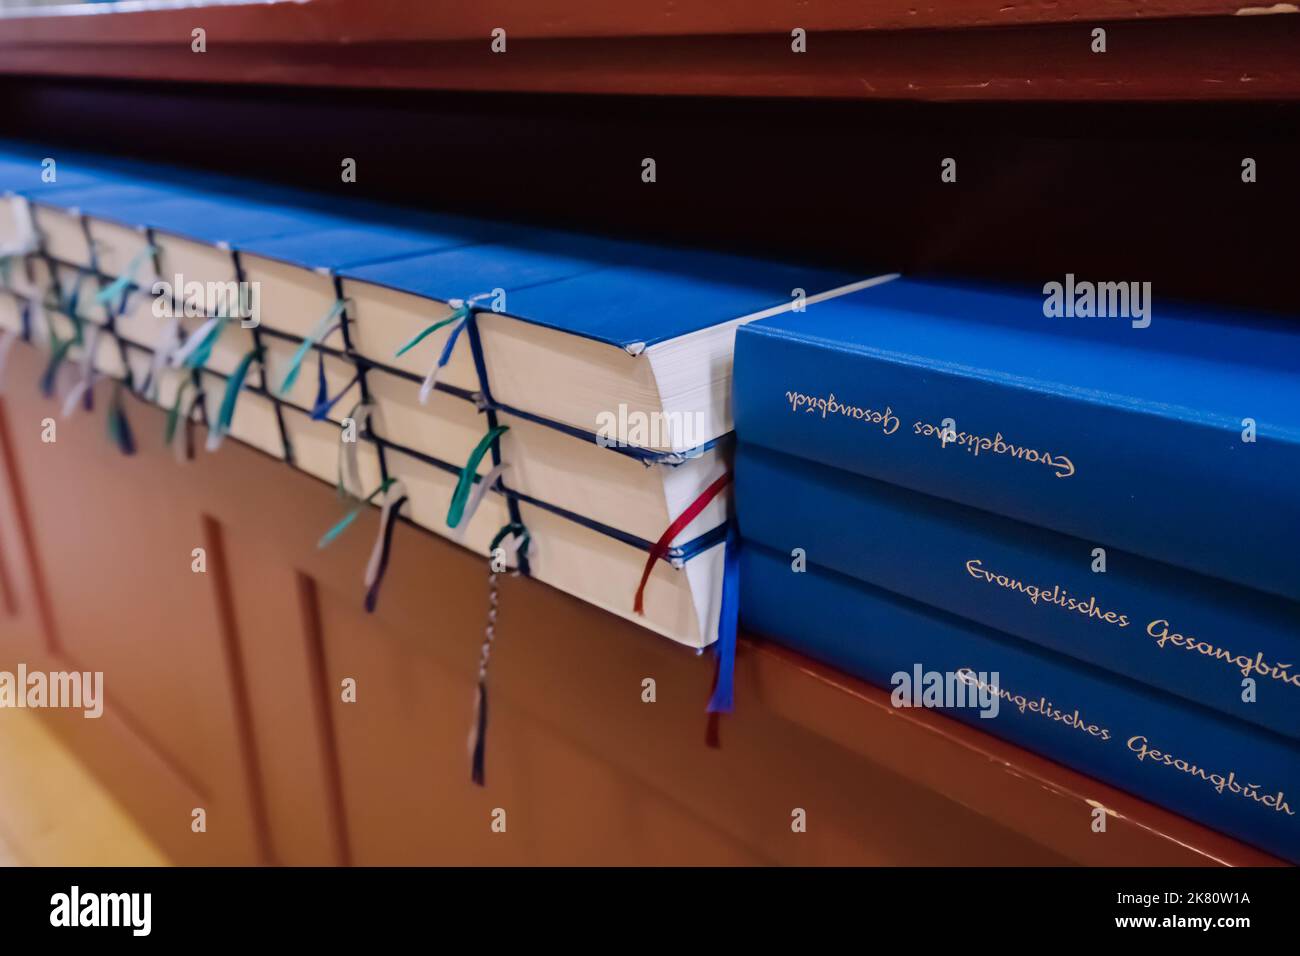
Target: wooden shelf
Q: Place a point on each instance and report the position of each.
(968, 50)
(223, 693)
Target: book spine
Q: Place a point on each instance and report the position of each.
(1205, 640)
(1218, 771)
(1169, 484)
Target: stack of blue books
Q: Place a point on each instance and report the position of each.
(1071, 519)
(497, 384)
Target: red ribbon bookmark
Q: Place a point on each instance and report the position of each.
(661, 546)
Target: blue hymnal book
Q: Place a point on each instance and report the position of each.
(1179, 441)
(1221, 772)
(1197, 637)
(550, 366)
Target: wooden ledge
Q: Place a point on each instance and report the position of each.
(950, 50)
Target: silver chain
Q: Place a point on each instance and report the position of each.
(490, 631)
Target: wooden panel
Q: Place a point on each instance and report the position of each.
(586, 771)
(115, 543)
(887, 49)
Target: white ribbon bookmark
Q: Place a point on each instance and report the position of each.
(163, 350)
(87, 379)
(481, 488)
(194, 341)
(7, 340)
(349, 465)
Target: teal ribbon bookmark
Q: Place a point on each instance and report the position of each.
(57, 357)
(234, 385)
(345, 522)
(467, 474)
(455, 316)
(318, 332)
(118, 287)
(198, 347)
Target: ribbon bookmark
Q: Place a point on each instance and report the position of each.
(7, 340)
(349, 480)
(481, 488)
(320, 331)
(163, 350)
(234, 385)
(118, 288)
(459, 316)
(465, 482)
(82, 390)
(57, 357)
(119, 429)
(174, 418)
(722, 700)
(343, 523)
(198, 347)
(394, 498)
(456, 315)
(661, 546)
(324, 404)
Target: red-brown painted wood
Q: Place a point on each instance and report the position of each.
(888, 49)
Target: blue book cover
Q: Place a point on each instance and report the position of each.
(1178, 441)
(1206, 640)
(1192, 760)
(620, 293)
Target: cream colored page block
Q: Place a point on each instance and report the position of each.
(565, 378)
(385, 320)
(446, 428)
(108, 357)
(602, 483)
(62, 234)
(117, 248)
(85, 285)
(291, 299)
(17, 232)
(233, 343)
(193, 262)
(605, 572)
(163, 391)
(318, 445)
(138, 324)
(30, 277)
(430, 490)
(196, 262)
(254, 421)
(339, 375)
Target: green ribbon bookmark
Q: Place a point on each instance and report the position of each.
(516, 529)
(202, 351)
(174, 413)
(328, 537)
(234, 385)
(317, 333)
(57, 356)
(114, 289)
(456, 316)
(467, 474)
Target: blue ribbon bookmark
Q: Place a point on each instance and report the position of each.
(722, 700)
